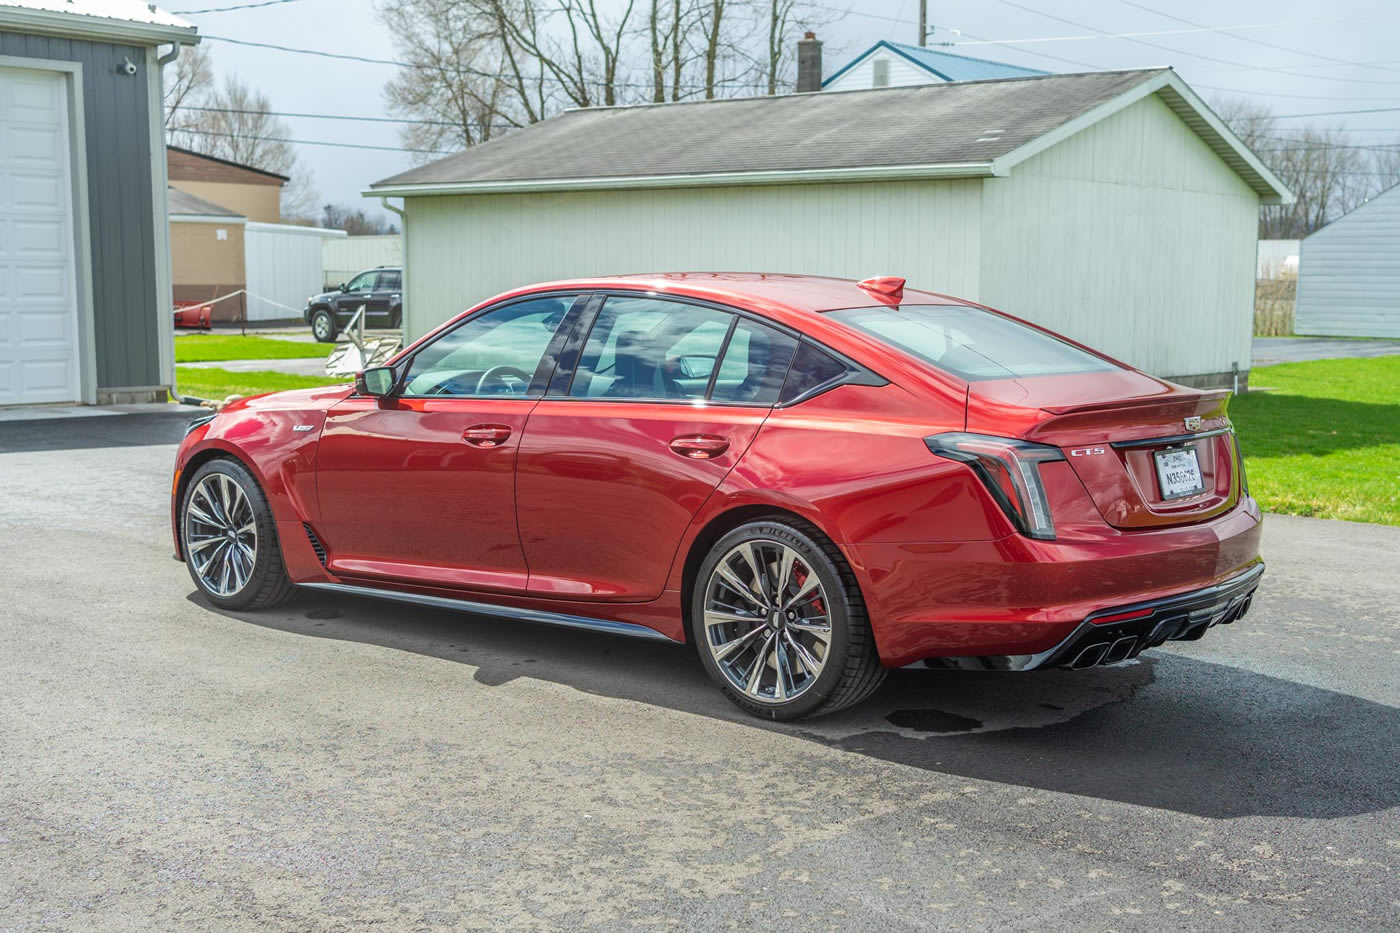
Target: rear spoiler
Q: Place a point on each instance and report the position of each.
(1200, 399)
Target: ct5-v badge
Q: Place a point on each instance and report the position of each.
(308, 427)
(1193, 423)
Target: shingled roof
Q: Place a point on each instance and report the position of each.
(963, 129)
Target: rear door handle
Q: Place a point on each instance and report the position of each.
(700, 446)
(486, 435)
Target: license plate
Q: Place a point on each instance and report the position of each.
(1179, 472)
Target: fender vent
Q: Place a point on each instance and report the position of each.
(316, 544)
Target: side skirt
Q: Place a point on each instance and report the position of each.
(506, 612)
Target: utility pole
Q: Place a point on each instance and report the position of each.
(923, 22)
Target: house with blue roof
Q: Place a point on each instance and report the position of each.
(894, 64)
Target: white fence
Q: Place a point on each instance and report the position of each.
(1277, 258)
(348, 257)
(284, 266)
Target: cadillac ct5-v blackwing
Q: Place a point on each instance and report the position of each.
(810, 480)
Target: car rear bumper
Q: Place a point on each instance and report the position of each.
(1123, 632)
(1017, 597)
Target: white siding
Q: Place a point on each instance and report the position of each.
(283, 266)
(1349, 273)
(1132, 237)
(346, 257)
(462, 250)
(861, 77)
(1274, 256)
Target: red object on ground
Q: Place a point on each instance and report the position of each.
(193, 318)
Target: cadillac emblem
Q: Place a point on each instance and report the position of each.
(1193, 423)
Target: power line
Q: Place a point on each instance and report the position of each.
(1347, 97)
(459, 69)
(1260, 42)
(227, 9)
(1335, 113)
(314, 142)
(337, 116)
(1177, 32)
(1209, 58)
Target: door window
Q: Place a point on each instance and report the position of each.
(362, 282)
(494, 353)
(390, 280)
(754, 365)
(647, 348)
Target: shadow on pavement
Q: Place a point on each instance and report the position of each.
(1173, 732)
(82, 433)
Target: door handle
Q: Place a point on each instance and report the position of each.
(486, 435)
(699, 446)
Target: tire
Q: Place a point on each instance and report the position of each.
(739, 584)
(396, 318)
(228, 577)
(323, 326)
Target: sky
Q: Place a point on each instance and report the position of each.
(1297, 56)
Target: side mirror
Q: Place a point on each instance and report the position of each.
(378, 381)
(340, 287)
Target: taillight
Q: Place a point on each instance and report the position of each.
(1010, 469)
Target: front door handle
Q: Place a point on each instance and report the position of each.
(699, 446)
(486, 435)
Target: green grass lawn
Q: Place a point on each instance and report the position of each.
(219, 384)
(212, 348)
(1326, 441)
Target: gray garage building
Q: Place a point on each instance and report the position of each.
(1114, 207)
(84, 253)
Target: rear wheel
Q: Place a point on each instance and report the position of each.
(229, 539)
(323, 326)
(780, 624)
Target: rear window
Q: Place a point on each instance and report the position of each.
(970, 343)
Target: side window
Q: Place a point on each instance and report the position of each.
(754, 365)
(390, 279)
(496, 352)
(648, 348)
(362, 282)
(811, 369)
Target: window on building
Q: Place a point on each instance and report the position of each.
(880, 72)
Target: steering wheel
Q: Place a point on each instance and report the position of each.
(496, 372)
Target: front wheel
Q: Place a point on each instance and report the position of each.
(323, 326)
(229, 539)
(780, 624)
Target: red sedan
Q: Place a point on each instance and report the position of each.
(810, 480)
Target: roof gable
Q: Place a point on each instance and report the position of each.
(188, 165)
(183, 204)
(943, 65)
(961, 129)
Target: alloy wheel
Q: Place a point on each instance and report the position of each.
(767, 625)
(321, 327)
(221, 534)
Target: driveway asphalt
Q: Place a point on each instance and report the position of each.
(1269, 350)
(339, 762)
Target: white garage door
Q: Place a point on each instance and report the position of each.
(38, 286)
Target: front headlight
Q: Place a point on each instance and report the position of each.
(201, 420)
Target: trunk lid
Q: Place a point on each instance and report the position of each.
(1150, 453)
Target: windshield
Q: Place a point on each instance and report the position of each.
(970, 343)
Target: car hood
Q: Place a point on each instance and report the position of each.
(317, 399)
(324, 297)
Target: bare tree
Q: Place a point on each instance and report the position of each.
(188, 82)
(236, 124)
(1327, 173)
(474, 68)
(354, 221)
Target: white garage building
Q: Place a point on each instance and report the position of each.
(1114, 207)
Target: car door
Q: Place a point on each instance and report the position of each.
(384, 296)
(646, 415)
(419, 487)
(358, 292)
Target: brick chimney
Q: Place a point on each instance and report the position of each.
(809, 64)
